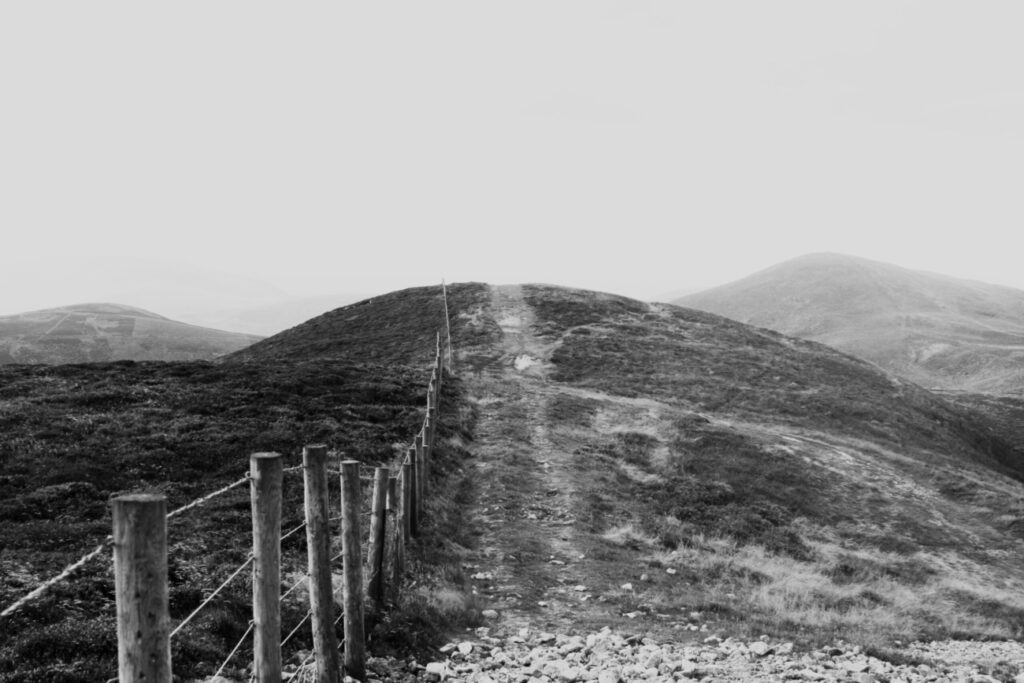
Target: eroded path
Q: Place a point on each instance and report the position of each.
(531, 562)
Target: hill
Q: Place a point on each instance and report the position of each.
(935, 330)
(687, 470)
(605, 462)
(108, 332)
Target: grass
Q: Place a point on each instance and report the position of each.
(867, 596)
(794, 490)
(76, 435)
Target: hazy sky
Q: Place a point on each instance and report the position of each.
(200, 154)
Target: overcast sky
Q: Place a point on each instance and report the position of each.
(189, 154)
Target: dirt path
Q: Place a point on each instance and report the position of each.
(530, 564)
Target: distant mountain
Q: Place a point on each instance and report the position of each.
(936, 330)
(105, 332)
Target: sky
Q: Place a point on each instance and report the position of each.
(194, 157)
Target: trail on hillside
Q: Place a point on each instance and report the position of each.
(533, 562)
(528, 562)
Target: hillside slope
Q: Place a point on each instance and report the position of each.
(604, 462)
(659, 468)
(109, 332)
(935, 330)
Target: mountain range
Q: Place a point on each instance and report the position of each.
(109, 332)
(936, 330)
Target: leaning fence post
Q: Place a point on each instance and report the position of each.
(318, 550)
(265, 472)
(352, 581)
(378, 530)
(140, 581)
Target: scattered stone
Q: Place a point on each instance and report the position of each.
(609, 656)
(489, 614)
(671, 570)
(437, 670)
(626, 586)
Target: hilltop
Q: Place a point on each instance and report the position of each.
(654, 469)
(933, 329)
(666, 467)
(87, 333)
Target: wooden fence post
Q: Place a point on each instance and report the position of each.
(318, 550)
(433, 427)
(140, 584)
(421, 454)
(421, 485)
(378, 532)
(428, 423)
(406, 486)
(396, 542)
(414, 492)
(266, 472)
(352, 583)
(394, 536)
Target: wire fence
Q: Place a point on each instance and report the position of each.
(397, 515)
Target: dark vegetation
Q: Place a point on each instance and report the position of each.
(721, 480)
(75, 435)
(381, 329)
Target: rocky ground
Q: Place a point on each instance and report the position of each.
(609, 657)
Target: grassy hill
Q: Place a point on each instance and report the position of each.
(935, 330)
(791, 489)
(74, 435)
(768, 483)
(109, 332)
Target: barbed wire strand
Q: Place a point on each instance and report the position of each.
(213, 595)
(294, 531)
(231, 655)
(295, 587)
(70, 569)
(200, 501)
(296, 629)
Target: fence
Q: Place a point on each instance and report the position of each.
(140, 556)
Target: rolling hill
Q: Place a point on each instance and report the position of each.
(935, 330)
(603, 462)
(89, 333)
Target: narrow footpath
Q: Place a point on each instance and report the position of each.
(530, 565)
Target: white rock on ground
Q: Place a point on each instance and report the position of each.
(609, 657)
